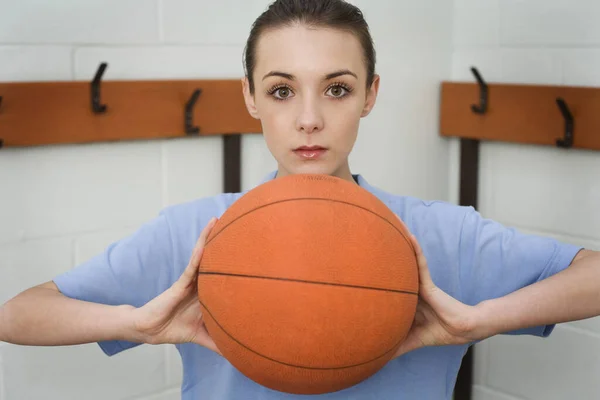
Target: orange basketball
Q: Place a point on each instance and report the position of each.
(308, 284)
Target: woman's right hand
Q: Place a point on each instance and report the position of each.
(175, 315)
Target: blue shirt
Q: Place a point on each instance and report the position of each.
(471, 258)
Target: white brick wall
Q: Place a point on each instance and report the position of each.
(75, 22)
(538, 42)
(60, 205)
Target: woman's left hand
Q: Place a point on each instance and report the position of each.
(440, 319)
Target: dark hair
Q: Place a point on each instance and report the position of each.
(315, 13)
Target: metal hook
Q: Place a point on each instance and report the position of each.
(189, 107)
(95, 90)
(567, 140)
(483, 93)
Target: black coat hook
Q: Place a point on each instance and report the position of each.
(483, 93)
(567, 140)
(95, 90)
(189, 109)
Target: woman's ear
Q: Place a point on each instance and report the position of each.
(371, 96)
(249, 98)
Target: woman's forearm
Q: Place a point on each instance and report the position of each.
(42, 316)
(570, 295)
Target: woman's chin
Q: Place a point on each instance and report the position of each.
(318, 167)
(313, 168)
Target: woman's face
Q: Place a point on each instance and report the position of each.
(310, 93)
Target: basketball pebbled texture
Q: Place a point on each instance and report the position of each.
(308, 284)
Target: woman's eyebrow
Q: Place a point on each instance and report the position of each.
(278, 73)
(327, 77)
(340, 73)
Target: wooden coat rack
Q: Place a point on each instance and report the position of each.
(50, 113)
(566, 117)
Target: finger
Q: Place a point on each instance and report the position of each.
(413, 240)
(204, 235)
(199, 247)
(203, 339)
(402, 223)
(412, 342)
(424, 275)
(191, 271)
(208, 343)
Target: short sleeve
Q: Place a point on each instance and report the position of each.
(496, 260)
(130, 271)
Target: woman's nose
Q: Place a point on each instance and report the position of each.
(310, 119)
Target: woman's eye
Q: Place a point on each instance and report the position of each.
(337, 91)
(283, 93)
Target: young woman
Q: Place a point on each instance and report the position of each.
(310, 79)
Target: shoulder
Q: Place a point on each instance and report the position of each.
(439, 228)
(189, 218)
(183, 223)
(421, 215)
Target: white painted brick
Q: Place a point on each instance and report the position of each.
(530, 66)
(582, 67)
(257, 161)
(13, 193)
(174, 367)
(2, 386)
(542, 194)
(81, 372)
(35, 63)
(205, 156)
(485, 188)
(591, 325)
(26, 264)
(486, 192)
(401, 149)
(171, 394)
(476, 23)
(91, 244)
(480, 362)
(549, 23)
(399, 25)
(72, 21)
(484, 393)
(192, 168)
(209, 22)
(564, 366)
(487, 61)
(586, 243)
(388, 134)
(173, 62)
(66, 189)
(421, 74)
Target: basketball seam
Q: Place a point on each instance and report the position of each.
(307, 198)
(306, 281)
(293, 365)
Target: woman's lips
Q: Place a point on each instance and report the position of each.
(310, 152)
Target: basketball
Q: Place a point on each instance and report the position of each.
(308, 284)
